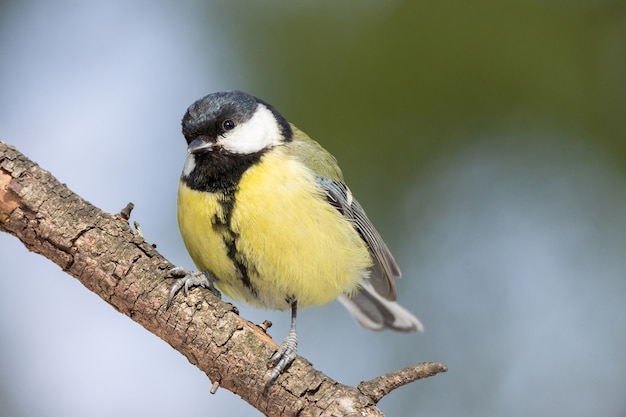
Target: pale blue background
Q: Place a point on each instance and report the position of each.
(511, 234)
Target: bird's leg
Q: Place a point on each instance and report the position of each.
(287, 351)
(187, 279)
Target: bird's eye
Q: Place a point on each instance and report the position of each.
(228, 124)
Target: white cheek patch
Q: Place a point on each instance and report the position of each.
(259, 132)
(190, 164)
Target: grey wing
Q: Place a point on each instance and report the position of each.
(385, 269)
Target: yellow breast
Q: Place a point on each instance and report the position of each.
(281, 233)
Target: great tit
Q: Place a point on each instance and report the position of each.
(266, 217)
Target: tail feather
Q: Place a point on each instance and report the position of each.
(374, 312)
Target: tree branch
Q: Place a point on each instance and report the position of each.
(109, 258)
(380, 386)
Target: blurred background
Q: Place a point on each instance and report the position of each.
(486, 140)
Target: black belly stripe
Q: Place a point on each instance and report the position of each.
(230, 240)
(219, 172)
(231, 245)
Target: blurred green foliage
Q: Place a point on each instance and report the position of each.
(402, 82)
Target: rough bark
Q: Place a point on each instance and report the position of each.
(112, 260)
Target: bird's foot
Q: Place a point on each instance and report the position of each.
(188, 279)
(283, 357)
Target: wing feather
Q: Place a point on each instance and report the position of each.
(385, 269)
(324, 166)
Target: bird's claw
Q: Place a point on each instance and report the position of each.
(284, 356)
(187, 279)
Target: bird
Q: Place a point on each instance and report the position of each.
(266, 217)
